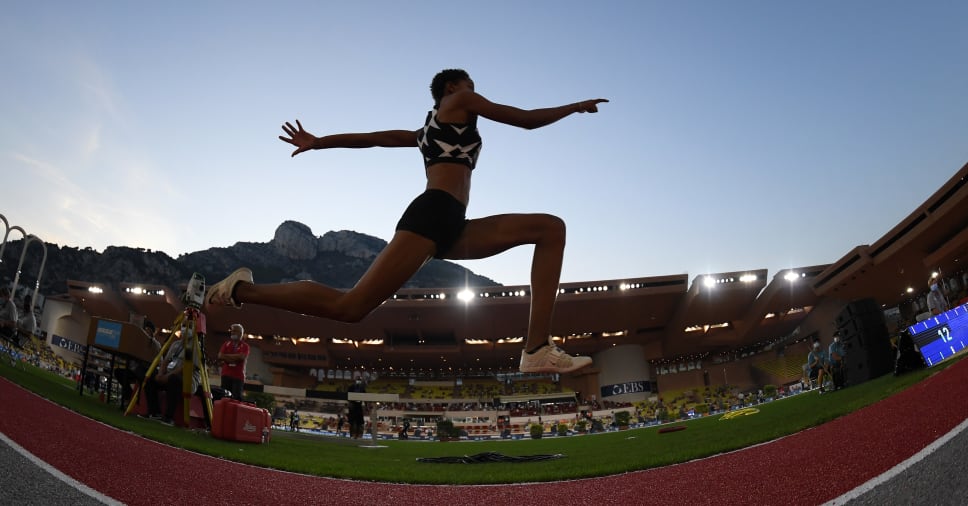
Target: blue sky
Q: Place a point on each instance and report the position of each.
(740, 135)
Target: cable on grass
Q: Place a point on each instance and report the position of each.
(482, 458)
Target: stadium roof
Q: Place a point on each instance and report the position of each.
(669, 315)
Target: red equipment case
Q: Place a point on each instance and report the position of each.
(240, 421)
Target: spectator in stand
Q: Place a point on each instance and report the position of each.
(232, 355)
(817, 363)
(838, 362)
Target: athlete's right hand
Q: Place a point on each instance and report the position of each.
(590, 105)
(298, 137)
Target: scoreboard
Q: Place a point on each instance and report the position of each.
(941, 336)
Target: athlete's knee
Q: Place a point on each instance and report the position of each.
(351, 310)
(552, 228)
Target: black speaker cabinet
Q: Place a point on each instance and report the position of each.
(867, 343)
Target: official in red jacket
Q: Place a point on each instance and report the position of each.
(232, 355)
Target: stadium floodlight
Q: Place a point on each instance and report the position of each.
(465, 295)
(748, 278)
(791, 276)
(709, 282)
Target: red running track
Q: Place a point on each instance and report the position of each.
(868, 441)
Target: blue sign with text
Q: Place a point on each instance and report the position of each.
(108, 334)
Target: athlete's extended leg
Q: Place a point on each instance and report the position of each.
(489, 236)
(402, 257)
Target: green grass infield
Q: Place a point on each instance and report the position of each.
(583, 456)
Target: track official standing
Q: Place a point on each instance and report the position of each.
(232, 355)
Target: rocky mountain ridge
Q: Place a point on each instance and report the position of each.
(337, 259)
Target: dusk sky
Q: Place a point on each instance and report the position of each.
(739, 135)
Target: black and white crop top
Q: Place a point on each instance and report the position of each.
(449, 142)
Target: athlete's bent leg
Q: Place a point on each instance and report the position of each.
(397, 263)
(489, 236)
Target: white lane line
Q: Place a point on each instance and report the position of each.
(899, 468)
(88, 491)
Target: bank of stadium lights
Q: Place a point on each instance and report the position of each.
(365, 342)
(792, 276)
(707, 328)
(467, 295)
(95, 289)
(620, 333)
(792, 310)
(137, 290)
(710, 281)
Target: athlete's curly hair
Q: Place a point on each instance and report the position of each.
(442, 78)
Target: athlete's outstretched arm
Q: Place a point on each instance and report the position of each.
(530, 119)
(304, 141)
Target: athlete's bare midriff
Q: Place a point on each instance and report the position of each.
(453, 178)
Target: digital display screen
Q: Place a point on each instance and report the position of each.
(108, 334)
(941, 336)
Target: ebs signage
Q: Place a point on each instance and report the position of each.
(632, 387)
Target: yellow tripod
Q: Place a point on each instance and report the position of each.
(190, 327)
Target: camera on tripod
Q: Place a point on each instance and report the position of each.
(195, 293)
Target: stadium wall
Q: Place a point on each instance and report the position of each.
(623, 369)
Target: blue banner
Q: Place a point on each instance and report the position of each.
(108, 334)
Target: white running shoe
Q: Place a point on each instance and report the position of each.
(220, 294)
(551, 359)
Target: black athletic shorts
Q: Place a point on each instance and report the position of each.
(438, 216)
(815, 371)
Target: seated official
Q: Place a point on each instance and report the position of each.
(908, 356)
(169, 380)
(133, 372)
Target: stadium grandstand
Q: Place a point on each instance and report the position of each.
(663, 346)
